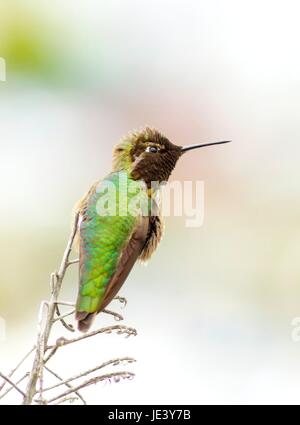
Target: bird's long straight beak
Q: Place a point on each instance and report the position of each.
(190, 147)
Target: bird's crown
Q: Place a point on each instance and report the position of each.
(146, 154)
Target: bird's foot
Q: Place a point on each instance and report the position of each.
(122, 300)
(61, 317)
(117, 316)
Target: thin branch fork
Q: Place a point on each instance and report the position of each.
(120, 329)
(16, 368)
(108, 377)
(44, 331)
(113, 362)
(67, 398)
(64, 382)
(12, 384)
(12, 387)
(49, 314)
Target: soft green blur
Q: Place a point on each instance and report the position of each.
(215, 304)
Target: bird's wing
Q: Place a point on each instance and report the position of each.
(108, 248)
(80, 208)
(127, 259)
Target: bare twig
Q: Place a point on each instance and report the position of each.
(49, 314)
(17, 367)
(11, 388)
(115, 376)
(120, 329)
(64, 399)
(61, 318)
(114, 362)
(73, 261)
(51, 354)
(66, 383)
(41, 349)
(43, 334)
(12, 384)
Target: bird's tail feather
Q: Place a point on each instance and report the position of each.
(85, 320)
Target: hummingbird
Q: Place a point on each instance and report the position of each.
(110, 244)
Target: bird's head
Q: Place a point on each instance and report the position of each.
(148, 155)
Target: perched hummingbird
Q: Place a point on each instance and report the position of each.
(109, 245)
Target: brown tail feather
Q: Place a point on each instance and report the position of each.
(85, 320)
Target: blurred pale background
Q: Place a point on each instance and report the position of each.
(214, 307)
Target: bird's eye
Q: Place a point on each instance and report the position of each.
(152, 149)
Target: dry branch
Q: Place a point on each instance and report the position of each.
(113, 362)
(115, 376)
(11, 388)
(12, 383)
(62, 382)
(120, 329)
(50, 314)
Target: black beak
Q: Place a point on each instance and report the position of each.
(189, 148)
